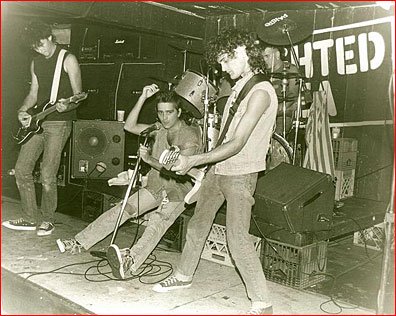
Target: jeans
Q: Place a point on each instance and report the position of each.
(138, 203)
(238, 192)
(50, 143)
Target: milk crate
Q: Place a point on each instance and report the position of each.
(344, 144)
(345, 160)
(344, 153)
(345, 181)
(294, 266)
(372, 237)
(216, 249)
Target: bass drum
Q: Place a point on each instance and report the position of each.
(279, 151)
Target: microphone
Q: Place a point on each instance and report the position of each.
(148, 130)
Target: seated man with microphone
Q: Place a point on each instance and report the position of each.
(164, 192)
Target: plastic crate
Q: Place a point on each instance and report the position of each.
(216, 249)
(344, 144)
(345, 183)
(345, 160)
(372, 237)
(294, 266)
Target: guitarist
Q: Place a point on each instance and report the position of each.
(162, 194)
(238, 159)
(56, 129)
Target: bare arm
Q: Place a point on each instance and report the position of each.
(72, 68)
(131, 123)
(257, 105)
(30, 100)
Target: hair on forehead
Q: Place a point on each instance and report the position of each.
(228, 41)
(34, 32)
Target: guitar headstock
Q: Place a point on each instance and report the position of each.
(169, 157)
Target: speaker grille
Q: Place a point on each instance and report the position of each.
(92, 141)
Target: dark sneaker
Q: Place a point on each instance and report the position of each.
(45, 229)
(69, 245)
(261, 311)
(19, 224)
(120, 261)
(171, 284)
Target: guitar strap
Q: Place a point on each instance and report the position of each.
(245, 90)
(57, 73)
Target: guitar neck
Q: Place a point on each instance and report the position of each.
(51, 109)
(43, 114)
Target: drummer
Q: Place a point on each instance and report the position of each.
(274, 59)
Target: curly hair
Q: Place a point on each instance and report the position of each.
(226, 43)
(35, 31)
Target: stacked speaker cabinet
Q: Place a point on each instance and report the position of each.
(97, 149)
(99, 80)
(295, 199)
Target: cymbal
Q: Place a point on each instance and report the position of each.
(275, 26)
(284, 75)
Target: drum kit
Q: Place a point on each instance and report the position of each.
(205, 99)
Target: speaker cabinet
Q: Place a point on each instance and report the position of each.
(295, 199)
(99, 80)
(97, 149)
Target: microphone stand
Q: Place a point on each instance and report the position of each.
(132, 183)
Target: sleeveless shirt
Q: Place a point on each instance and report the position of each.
(44, 70)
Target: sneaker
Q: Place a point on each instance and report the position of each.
(261, 311)
(120, 261)
(45, 229)
(69, 245)
(19, 224)
(171, 284)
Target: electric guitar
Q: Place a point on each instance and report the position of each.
(39, 113)
(169, 157)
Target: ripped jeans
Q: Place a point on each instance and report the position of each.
(50, 143)
(140, 202)
(238, 192)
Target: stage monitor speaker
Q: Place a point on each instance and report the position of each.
(97, 149)
(295, 199)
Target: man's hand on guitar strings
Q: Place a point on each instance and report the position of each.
(61, 105)
(182, 165)
(24, 117)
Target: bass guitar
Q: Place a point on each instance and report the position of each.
(39, 113)
(169, 157)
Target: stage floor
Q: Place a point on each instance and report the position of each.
(71, 284)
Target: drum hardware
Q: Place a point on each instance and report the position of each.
(284, 75)
(277, 30)
(279, 151)
(297, 120)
